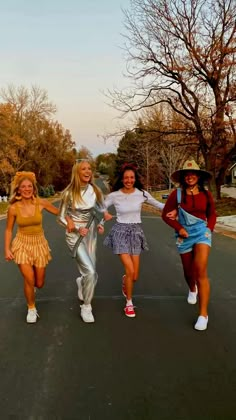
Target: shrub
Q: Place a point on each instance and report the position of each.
(47, 191)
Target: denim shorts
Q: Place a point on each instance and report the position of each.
(199, 233)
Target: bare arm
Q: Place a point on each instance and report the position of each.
(11, 217)
(151, 200)
(46, 205)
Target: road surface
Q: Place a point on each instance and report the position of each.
(155, 366)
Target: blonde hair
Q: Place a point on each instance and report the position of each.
(75, 188)
(17, 180)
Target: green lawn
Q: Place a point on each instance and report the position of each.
(3, 207)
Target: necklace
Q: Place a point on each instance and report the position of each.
(193, 188)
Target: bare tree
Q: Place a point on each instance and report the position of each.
(34, 100)
(84, 153)
(182, 53)
(173, 157)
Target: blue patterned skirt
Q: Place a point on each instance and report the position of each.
(126, 238)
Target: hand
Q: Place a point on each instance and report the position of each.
(172, 214)
(9, 256)
(70, 225)
(183, 232)
(107, 216)
(83, 231)
(100, 229)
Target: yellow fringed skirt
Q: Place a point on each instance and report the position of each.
(31, 249)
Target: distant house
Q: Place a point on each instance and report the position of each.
(230, 176)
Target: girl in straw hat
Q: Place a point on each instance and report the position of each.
(194, 226)
(29, 249)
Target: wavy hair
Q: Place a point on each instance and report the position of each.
(17, 180)
(118, 184)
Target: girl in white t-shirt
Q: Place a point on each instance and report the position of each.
(126, 238)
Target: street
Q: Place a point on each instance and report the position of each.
(155, 366)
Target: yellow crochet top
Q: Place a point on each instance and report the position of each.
(29, 225)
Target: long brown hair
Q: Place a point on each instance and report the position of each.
(118, 184)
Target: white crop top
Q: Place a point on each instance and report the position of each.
(128, 206)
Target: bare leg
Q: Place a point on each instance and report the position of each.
(27, 272)
(136, 264)
(127, 261)
(39, 275)
(189, 270)
(201, 254)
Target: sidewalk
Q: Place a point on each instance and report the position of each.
(226, 225)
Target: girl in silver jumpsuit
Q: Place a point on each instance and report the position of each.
(80, 200)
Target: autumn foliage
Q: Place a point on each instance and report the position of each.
(30, 139)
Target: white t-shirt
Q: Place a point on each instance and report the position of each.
(128, 206)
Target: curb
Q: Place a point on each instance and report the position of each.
(226, 231)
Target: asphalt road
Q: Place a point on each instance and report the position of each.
(153, 367)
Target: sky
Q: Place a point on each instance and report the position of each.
(73, 50)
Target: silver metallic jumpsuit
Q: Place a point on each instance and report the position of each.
(85, 255)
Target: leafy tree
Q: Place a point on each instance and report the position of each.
(51, 189)
(149, 147)
(106, 163)
(128, 149)
(11, 145)
(31, 140)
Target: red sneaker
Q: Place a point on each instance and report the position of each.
(129, 311)
(123, 287)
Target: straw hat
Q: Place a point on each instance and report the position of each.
(190, 165)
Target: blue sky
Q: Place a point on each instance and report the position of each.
(71, 48)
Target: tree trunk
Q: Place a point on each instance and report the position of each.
(217, 167)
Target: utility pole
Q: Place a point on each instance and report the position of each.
(170, 147)
(147, 165)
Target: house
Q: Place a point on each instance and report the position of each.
(230, 176)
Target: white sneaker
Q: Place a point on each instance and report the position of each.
(192, 297)
(80, 293)
(201, 323)
(86, 313)
(32, 316)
